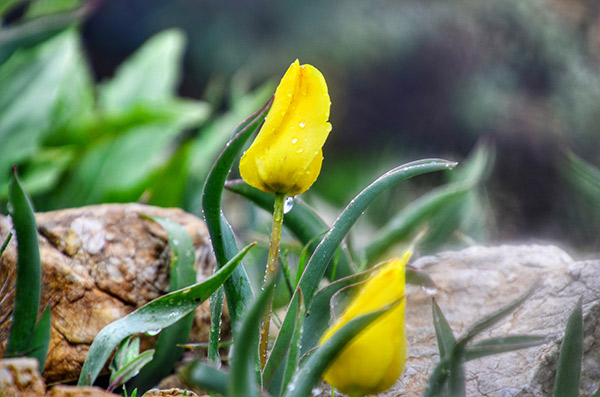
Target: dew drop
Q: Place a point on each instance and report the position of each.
(295, 140)
(153, 332)
(302, 124)
(299, 150)
(288, 204)
(429, 291)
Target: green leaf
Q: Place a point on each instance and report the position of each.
(128, 349)
(443, 332)
(29, 84)
(245, 349)
(310, 372)
(238, 290)
(280, 348)
(493, 319)
(183, 275)
(29, 273)
(303, 221)
(130, 369)
(214, 338)
(155, 315)
(568, 372)
(41, 339)
(149, 75)
(41, 7)
(5, 243)
(292, 359)
(503, 344)
(324, 252)
(206, 377)
(414, 216)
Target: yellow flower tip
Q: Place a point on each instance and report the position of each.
(372, 362)
(286, 155)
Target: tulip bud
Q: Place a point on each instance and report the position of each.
(286, 155)
(372, 361)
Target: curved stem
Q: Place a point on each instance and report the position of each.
(271, 273)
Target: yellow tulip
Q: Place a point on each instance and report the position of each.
(286, 156)
(374, 359)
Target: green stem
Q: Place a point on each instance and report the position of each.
(271, 273)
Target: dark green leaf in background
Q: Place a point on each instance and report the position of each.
(29, 273)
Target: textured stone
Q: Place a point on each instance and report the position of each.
(75, 391)
(477, 281)
(99, 263)
(20, 377)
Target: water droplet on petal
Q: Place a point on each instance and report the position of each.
(302, 124)
(294, 140)
(299, 150)
(288, 204)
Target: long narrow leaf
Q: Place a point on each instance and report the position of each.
(415, 214)
(130, 369)
(291, 364)
(245, 350)
(237, 288)
(443, 332)
(310, 373)
(29, 273)
(5, 243)
(493, 318)
(214, 337)
(182, 275)
(41, 339)
(456, 377)
(280, 348)
(568, 372)
(157, 314)
(503, 344)
(324, 252)
(207, 377)
(304, 223)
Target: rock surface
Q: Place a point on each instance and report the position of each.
(99, 263)
(477, 281)
(20, 377)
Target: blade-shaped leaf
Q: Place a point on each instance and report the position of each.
(237, 289)
(326, 249)
(157, 314)
(41, 339)
(456, 377)
(182, 275)
(130, 369)
(280, 348)
(291, 364)
(5, 243)
(206, 377)
(245, 349)
(568, 372)
(310, 373)
(151, 74)
(436, 384)
(29, 273)
(503, 344)
(304, 223)
(443, 332)
(493, 319)
(405, 224)
(214, 338)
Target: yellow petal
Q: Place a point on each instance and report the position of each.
(374, 359)
(286, 155)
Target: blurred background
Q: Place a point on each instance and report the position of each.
(119, 101)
